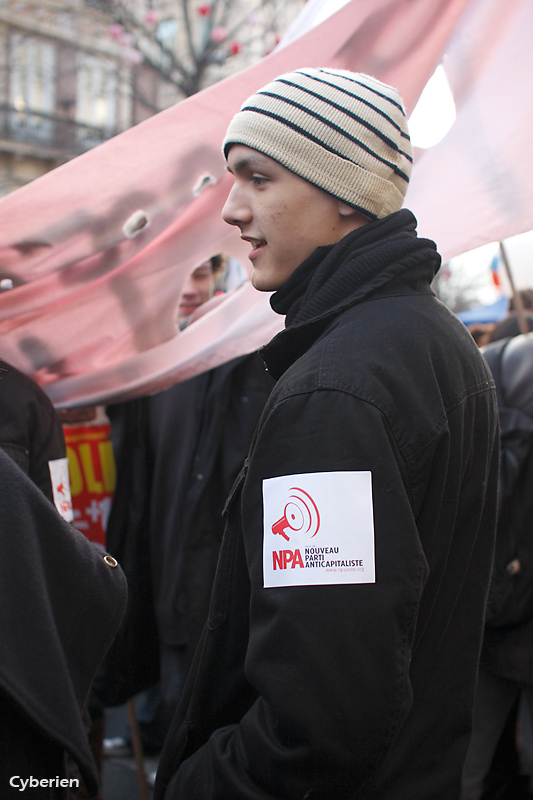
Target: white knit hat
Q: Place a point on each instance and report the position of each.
(342, 131)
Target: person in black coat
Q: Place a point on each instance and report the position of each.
(177, 454)
(506, 665)
(340, 653)
(61, 603)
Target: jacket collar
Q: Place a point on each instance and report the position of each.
(370, 259)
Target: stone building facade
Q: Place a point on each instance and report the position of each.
(74, 73)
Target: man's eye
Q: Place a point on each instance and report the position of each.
(258, 180)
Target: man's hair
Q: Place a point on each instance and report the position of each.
(344, 132)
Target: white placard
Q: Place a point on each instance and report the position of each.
(318, 529)
(61, 487)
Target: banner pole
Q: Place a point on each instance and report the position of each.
(518, 304)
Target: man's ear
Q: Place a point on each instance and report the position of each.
(357, 219)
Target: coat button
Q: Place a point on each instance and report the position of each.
(110, 561)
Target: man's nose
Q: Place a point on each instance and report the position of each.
(188, 289)
(236, 211)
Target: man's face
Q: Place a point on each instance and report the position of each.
(284, 217)
(197, 289)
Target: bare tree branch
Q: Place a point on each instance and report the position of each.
(207, 37)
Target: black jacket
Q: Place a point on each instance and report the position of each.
(61, 603)
(30, 428)
(177, 454)
(508, 642)
(357, 690)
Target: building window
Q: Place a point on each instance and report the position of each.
(33, 80)
(96, 99)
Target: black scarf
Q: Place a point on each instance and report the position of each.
(338, 276)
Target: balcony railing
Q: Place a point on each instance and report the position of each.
(50, 131)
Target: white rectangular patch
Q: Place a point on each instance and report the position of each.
(318, 529)
(61, 487)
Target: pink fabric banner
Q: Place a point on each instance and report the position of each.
(92, 314)
(476, 185)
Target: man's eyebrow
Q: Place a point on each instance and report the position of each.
(239, 165)
(244, 163)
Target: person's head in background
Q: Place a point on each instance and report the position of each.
(509, 326)
(484, 333)
(526, 296)
(199, 287)
(480, 332)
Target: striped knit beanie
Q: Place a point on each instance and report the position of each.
(342, 131)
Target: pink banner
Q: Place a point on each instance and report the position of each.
(92, 314)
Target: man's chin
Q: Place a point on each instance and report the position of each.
(261, 282)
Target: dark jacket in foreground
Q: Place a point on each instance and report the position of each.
(359, 690)
(60, 605)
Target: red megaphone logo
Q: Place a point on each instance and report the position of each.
(299, 516)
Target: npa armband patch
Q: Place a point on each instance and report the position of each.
(318, 528)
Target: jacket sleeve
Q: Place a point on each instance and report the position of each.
(330, 663)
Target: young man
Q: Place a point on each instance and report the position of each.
(165, 528)
(340, 654)
(199, 287)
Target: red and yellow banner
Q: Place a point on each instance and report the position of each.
(92, 477)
